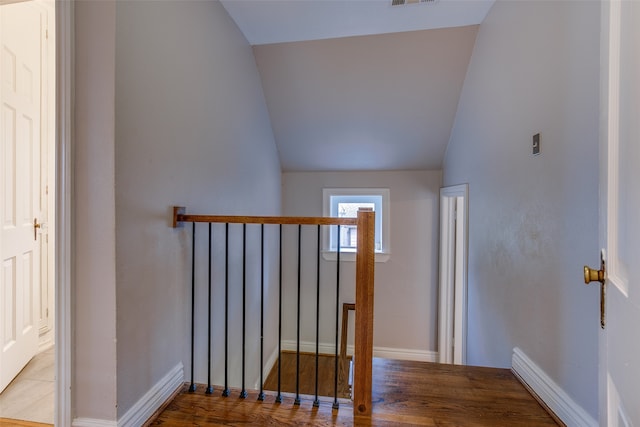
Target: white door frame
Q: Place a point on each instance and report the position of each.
(454, 229)
(47, 282)
(63, 209)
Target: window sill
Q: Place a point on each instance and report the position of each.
(350, 256)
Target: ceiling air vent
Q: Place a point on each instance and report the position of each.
(405, 2)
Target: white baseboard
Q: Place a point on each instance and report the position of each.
(268, 366)
(308, 347)
(145, 407)
(384, 352)
(551, 394)
(45, 345)
(405, 354)
(148, 404)
(91, 422)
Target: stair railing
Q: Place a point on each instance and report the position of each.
(363, 338)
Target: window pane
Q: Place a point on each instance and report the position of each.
(350, 210)
(348, 236)
(345, 203)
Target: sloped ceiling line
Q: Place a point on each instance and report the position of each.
(360, 85)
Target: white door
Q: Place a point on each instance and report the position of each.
(20, 205)
(620, 213)
(452, 320)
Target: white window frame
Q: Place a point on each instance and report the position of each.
(332, 196)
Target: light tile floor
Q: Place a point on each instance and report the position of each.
(30, 396)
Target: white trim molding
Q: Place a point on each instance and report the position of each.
(64, 17)
(92, 422)
(454, 238)
(268, 366)
(549, 392)
(383, 352)
(405, 354)
(146, 406)
(310, 347)
(152, 400)
(380, 197)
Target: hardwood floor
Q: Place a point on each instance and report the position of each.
(326, 375)
(6, 422)
(404, 393)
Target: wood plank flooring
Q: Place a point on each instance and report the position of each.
(404, 393)
(6, 422)
(326, 375)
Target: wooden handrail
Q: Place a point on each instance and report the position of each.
(179, 216)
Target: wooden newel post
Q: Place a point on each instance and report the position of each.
(363, 352)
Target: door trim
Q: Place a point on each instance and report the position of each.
(454, 230)
(612, 14)
(63, 205)
(46, 337)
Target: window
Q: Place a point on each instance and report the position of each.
(344, 203)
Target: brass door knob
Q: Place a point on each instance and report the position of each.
(591, 275)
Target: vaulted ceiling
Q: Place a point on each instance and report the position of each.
(348, 87)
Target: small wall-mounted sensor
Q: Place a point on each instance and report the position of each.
(536, 144)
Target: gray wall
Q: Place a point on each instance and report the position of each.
(405, 286)
(533, 220)
(93, 218)
(192, 129)
(380, 102)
